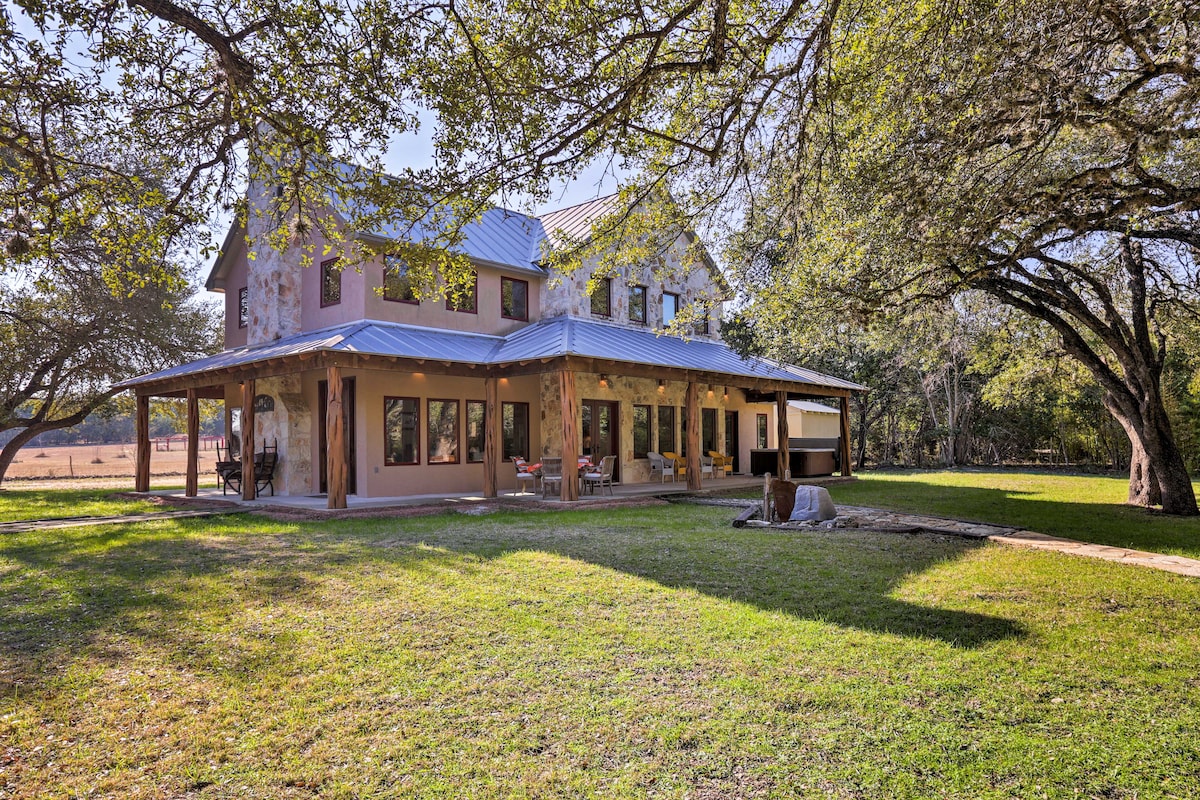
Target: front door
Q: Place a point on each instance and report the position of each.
(323, 430)
(731, 438)
(599, 424)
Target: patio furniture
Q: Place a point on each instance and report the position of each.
(601, 476)
(706, 466)
(551, 475)
(526, 473)
(264, 471)
(661, 467)
(679, 462)
(226, 466)
(722, 464)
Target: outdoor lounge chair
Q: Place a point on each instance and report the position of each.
(525, 474)
(264, 471)
(551, 476)
(661, 467)
(602, 475)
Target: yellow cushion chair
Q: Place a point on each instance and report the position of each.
(722, 464)
(680, 463)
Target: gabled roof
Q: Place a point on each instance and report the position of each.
(574, 224)
(547, 339)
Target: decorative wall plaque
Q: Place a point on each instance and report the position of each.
(264, 403)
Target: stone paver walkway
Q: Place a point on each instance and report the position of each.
(881, 520)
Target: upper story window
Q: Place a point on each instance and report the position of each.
(670, 307)
(397, 286)
(700, 324)
(331, 283)
(514, 299)
(462, 298)
(602, 298)
(243, 307)
(637, 304)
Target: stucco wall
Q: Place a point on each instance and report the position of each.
(813, 424)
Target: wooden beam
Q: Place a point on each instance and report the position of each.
(781, 428)
(491, 421)
(569, 403)
(248, 488)
(335, 440)
(191, 482)
(141, 475)
(847, 468)
(692, 410)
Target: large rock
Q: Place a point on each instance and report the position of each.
(813, 504)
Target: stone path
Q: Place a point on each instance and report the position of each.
(26, 525)
(878, 519)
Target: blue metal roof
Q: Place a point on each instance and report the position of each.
(550, 338)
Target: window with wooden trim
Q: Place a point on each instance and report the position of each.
(637, 304)
(243, 307)
(700, 325)
(476, 413)
(708, 429)
(331, 283)
(641, 431)
(670, 307)
(397, 286)
(442, 433)
(401, 426)
(602, 298)
(761, 420)
(514, 430)
(514, 299)
(463, 298)
(666, 429)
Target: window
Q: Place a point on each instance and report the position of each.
(641, 431)
(666, 429)
(243, 307)
(514, 425)
(637, 304)
(514, 299)
(401, 416)
(331, 283)
(670, 307)
(700, 324)
(442, 445)
(475, 431)
(397, 287)
(602, 298)
(462, 298)
(762, 431)
(708, 429)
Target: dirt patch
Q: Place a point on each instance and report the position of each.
(100, 461)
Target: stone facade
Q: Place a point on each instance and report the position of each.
(291, 425)
(274, 292)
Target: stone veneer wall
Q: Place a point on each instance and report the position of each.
(291, 425)
(273, 284)
(628, 392)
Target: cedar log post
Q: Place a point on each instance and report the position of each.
(783, 462)
(570, 435)
(193, 444)
(491, 419)
(692, 409)
(141, 475)
(847, 469)
(248, 485)
(335, 440)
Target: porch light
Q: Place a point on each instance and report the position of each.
(726, 391)
(604, 380)
(710, 391)
(662, 385)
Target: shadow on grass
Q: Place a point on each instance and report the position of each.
(141, 581)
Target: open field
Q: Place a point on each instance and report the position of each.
(1085, 507)
(100, 460)
(630, 653)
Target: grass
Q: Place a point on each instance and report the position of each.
(631, 653)
(1085, 507)
(19, 504)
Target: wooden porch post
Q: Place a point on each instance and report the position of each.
(847, 468)
(491, 418)
(141, 475)
(783, 462)
(570, 438)
(335, 440)
(692, 410)
(248, 487)
(193, 444)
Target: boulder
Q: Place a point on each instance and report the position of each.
(812, 504)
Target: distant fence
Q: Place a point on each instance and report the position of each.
(179, 442)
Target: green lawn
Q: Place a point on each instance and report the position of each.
(17, 504)
(1084, 507)
(631, 653)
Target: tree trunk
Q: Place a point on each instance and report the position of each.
(10, 450)
(1157, 474)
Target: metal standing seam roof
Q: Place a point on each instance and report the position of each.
(550, 338)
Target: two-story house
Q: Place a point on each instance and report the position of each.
(370, 390)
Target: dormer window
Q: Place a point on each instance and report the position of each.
(670, 307)
(637, 304)
(514, 299)
(331, 283)
(602, 298)
(396, 284)
(462, 298)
